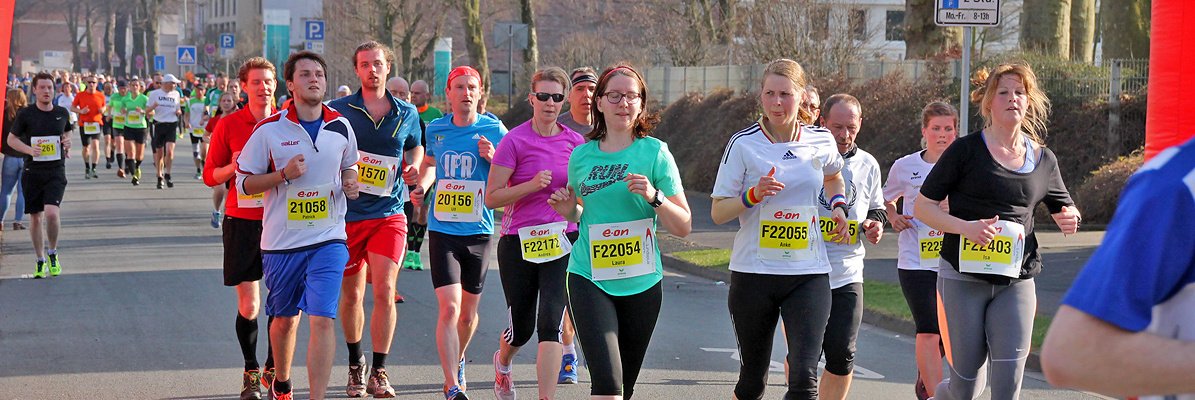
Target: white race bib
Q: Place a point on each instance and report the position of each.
(542, 243)
(91, 128)
(929, 243)
(251, 200)
(621, 250)
(377, 173)
(459, 200)
(826, 225)
(1002, 256)
(309, 208)
(118, 119)
(48, 147)
(136, 118)
(197, 132)
(786, 233)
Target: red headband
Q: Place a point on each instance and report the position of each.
(611, 71)
(460, 71)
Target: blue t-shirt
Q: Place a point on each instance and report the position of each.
(396, 132)
(455, 151)
(1142, 277)
(312, 127)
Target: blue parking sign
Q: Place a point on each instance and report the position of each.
(227, 41)
(314, 29)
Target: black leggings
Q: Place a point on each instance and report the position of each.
(524, 283)
(846, 313)
(755, 302)
(614, 332)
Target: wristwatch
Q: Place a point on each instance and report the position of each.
(655, 200)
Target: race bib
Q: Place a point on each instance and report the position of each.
(48, 148)
(621, 250)
(91, 128)
(136, 118)
(118, 119)
(929, 242)
(542, 243)
(197, 132)
(309, 208)
(251, 200)
(376, 173)
(459, 201)
(1002, 256)
(785, 233)
(827, 227)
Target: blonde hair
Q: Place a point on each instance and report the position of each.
(792, 70)
(1037, 111)
(937, 109)
(15, 100)
(550, 74)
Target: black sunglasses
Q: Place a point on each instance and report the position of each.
(556, 97)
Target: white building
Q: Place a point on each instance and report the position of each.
(879, 24)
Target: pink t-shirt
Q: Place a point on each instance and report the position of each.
(527, 153)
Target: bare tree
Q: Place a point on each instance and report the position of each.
(924, 38)
(686, 32)
(1124, 28)
(531, 53)
(475, 39)
(818, 35)
(1045, 27)
(79, 14)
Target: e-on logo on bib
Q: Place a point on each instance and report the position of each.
(458, 165)
(602, 176)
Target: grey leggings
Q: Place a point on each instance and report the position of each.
(981, 320)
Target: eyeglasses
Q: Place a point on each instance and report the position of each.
(556, 97)
(616, 97)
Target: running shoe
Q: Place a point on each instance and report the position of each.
(136, 181)
(356, 386)
(159, 182)
(40, 272)
(399, 299)
(455, 393)
(267, 378)
(379, 384)
(198, 175)
(919, 389)
(120, 172)
(169, 183)
(108, 165)
(215, 220)
(416, 263)
(251, 385)
(18, 226)
(504, 389)
(568, 369)
(87, 174)
(93, 174)
(137, 173)
(281, 396)
(460, 375)
(55, 267)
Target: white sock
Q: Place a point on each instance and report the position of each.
(570, 349)
(504, 369)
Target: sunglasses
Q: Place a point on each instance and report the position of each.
(556, 97)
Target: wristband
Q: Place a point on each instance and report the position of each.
(837, 200)
(749, 199)
(283, 174)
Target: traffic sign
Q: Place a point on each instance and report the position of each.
(159, 63)
(209, 49)
(967, 12)
(314, 30)
(187, 55)
(314, 46)
(227, 41)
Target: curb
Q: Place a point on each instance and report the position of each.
(883, 321)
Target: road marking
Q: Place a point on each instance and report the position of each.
(778, 367)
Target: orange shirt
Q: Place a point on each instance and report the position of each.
(94, 101)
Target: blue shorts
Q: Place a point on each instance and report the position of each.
(307, 280)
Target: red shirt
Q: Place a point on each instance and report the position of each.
(229, 136)
(94, 101)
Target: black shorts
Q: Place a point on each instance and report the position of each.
(164, 132)
(459, 259)
(107, 128)
(242, 250)
(118, 132)
(43, 187)
(195, 139)
(842, 330)
(135, 134)
(921, 292)
(85, 139)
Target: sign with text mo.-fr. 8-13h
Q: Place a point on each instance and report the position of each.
(967, 12)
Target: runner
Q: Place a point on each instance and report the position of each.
(42, 133)
(771, 178)
(166, 106)
(994, 179)
(387, 136)
(196, 116)
(227, 106)
(66, 97)
(304, 158)
(616, 307)
(866, 218)
(14, 162)
(422, 96)
(417, 218)
(242, 224)
(398, 87)
(134, 130)
(90, 106)
(343, 91)
(1134, 301)
(532, 252)
(458, 163)
(109, 145)
(116, 107)
(812, 103)
(917, 264)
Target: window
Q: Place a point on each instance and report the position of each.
(894, 29)
(820, 23)
(857, 24)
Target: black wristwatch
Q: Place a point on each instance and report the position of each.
(655, 200)
(845, 212)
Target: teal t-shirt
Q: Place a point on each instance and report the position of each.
(597, 177)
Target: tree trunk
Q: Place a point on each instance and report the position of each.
(138, 27)
(1124, 28)
(72, 28)
(88, 11)
(106, 52)
(1045, 27)
(531, 53)
(119, 41)
(923, 38)
(475, 40)
(151, 29)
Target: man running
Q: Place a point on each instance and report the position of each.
(242, 218)
(42, 132)
(196, 119)
(580, 98)
(166, 105)
(304, 158)
(422, 96)
(109, 146)
(387, 135)
(116, 107)
(417, 217)
(89, 105)
(134, 130)
(398, 87)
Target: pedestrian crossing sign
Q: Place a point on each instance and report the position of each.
(186, 55)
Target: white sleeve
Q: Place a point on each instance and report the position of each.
(254, 159)
(833, 162)
(894, 186)
(873, 185)
(151, 103)
(732, 172)
(349, 159)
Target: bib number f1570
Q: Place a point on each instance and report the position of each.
(622, 250)
(785, 234)
(1003, 255)
(376, 173)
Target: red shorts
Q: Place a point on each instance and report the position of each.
(385, 236)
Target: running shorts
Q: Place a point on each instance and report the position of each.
(242, 250)
(307, 279)
(382, 236)
(459, 259)
(43, 188)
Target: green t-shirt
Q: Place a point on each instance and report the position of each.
(130, 106)
(213, 100)
(430, 114)
(116, 108)
(597, 177)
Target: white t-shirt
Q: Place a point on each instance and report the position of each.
(66, 101)
(904, 180)
(801, 166)
(196, 110)
(164, 105)
(862, 177)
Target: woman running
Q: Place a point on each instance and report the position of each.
(770, 177)
(134, 130)
(196, 111)
(627, 182)
(226, 105)
(14, 162)
(994, 179)
(917, 266)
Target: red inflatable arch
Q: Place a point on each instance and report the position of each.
(1170, 114)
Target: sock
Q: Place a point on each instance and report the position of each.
(167, 176)
(415, 238)
(52, 252)
(379, 360)
(354, 352)
(119, 159)
(247, 337)
(41, 259)
(269, 345)
(281, 387)
(505, 369)
(570, 349)
(139, 163)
